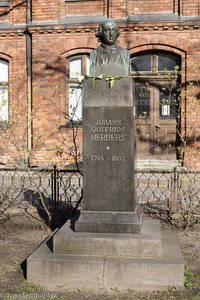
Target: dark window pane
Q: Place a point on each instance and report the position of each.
(142, 96)
(167, 62)
(168, 103)
(141, 63)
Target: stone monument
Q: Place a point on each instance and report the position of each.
(108, 141)
(109, 203)
(111, 246)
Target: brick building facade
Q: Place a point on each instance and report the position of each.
(45, 45)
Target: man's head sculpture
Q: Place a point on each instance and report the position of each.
(108, 58)
(108, 32)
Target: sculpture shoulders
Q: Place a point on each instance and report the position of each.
(102, 50)
(110, 60)
(124, 51)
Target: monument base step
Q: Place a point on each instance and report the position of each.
(109, 221)
(59, 272)
(145, 244)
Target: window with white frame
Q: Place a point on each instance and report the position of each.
(3, 91)
(77, 66)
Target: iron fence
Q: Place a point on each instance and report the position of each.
(25, 187)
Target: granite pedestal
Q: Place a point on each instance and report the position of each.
(149, 260)
(110, 204)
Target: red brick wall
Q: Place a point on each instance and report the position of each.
(15, 12)
(49, 95)
(151, 6)
(192, 113)
(4, 14)
(13, 141)
(50, 48)
(118, 9)
(54, 10)
(188, 44)
(43, 10)
(86, 8)
(190, 8)
(49, 82)
(18, 12)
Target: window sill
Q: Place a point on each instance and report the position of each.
(75, 124)
(4, 126)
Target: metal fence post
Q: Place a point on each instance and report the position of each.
(174, 190)
(55, 185)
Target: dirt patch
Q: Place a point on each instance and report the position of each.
(22, 234)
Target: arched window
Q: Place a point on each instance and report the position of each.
(77, 65)
(3, 91)
(154, 63)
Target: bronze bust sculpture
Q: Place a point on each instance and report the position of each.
(108, 58)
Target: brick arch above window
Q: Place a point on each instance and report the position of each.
(72, 54)
(163, 41)
(157, 47)
(5, 56)
(75, 51)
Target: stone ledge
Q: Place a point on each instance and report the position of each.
(145, 244)
(109, 222)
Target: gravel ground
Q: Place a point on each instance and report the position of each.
(20, 235)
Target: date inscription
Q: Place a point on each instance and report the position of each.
(113, 158)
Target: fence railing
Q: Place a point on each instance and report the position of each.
(24, 187)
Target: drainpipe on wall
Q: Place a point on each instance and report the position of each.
(29, 79)
(179, 8)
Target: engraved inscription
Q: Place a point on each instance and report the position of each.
(113, 158)
(108, 122)
(98, 137)
(96, 157)
(118, 158)
(108, 130)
